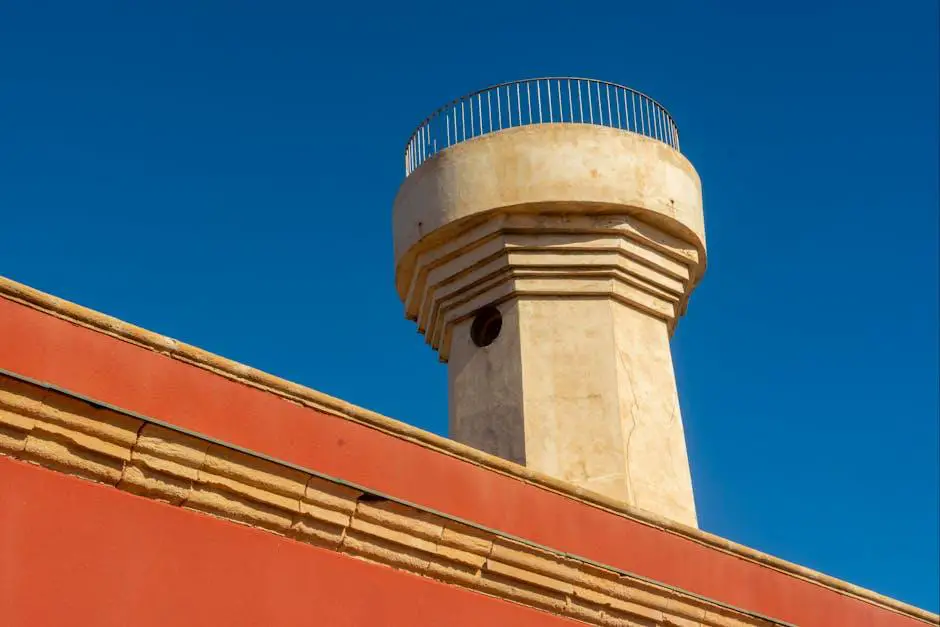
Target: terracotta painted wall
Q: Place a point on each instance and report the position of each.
(88, 362)
(77, 553)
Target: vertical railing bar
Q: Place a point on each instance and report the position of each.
(447, 126)
(580, 103)
(600, 113)
(626, 112)
(499, 109)
(561, 107)
(471, 118)
(610, 116)
(636, 123)
(654, 113)
(489, 108)
(570, 103)
(480, 110)
(463, 121)
(617, 101)
(528, 99)
(538, 95)
(590, 99)
(508, 107)
(642, 126)
(519, 103)
(548, 88)
(644, 122)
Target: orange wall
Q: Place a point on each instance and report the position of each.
(78, 553)
(50, 349)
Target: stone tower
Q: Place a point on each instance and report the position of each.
(548, 235)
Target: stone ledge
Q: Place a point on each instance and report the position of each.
(185, 470)
(308, 397)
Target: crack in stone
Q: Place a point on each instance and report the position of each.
(631, 495)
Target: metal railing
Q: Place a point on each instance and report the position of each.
(539, 101)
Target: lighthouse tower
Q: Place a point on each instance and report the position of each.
(548, 235)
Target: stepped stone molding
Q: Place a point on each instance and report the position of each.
(70, 435)
(11, 436)
(521, 255)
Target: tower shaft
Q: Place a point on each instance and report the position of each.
(548, 266)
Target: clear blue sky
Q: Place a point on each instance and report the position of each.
(223, 172)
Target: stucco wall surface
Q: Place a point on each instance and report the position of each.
(78, 553)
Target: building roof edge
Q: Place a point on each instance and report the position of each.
(247, 375)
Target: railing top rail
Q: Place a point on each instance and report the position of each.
(426, 141)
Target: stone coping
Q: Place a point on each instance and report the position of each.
(55, 429)
(323, 402)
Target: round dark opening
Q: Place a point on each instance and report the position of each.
(486, 326)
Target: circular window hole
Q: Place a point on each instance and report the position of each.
(486, 326)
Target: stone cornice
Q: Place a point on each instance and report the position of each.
(559, 255)
(69, 434)
(106, 460)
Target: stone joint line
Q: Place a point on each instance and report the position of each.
(72, 436)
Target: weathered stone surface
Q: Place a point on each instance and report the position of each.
(72, 453)
(589, 241)
(188, 471)
(170, 451)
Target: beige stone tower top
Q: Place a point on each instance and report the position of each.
(548, 235)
